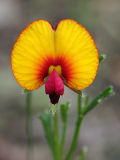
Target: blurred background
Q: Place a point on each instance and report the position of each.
(101, 128)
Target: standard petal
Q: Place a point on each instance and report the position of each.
(32, 54)
(75, 46)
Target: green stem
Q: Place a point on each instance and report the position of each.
(56, 134)
(79, 104)
(29, 125)
(75, 137)
(63, 137)
(107, 92)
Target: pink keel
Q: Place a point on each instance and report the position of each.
(54, 86)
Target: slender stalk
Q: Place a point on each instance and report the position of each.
(107, 92)
(29, 125)
(63, 137)
(79, 104)
(56, 135)
(64, 115)
(75, 138)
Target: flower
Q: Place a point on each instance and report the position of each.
(65, 55)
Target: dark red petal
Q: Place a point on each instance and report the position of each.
(54, 98)
(54, 84)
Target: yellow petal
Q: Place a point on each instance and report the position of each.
(75, 45)
(32, 54)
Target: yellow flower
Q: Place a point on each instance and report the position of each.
(67, 54)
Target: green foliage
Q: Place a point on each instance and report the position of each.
(64, 110)
(107, 92)
(64, 114)
(47, 126)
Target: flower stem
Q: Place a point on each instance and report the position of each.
(79, 104)
(29, 125)
(56, 135)
(75, 137)
(63, 137)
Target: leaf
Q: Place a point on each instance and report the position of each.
(107, 92)
(47, 126)
(86, 101)
(64, 110)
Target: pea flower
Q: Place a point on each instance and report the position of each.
(54, 57)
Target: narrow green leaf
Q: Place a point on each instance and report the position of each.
(64, 110)
(86, 101)
(107, 92)
(64, 113)
(47, 126)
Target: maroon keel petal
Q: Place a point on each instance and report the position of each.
(54, 98)
(54, 86)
